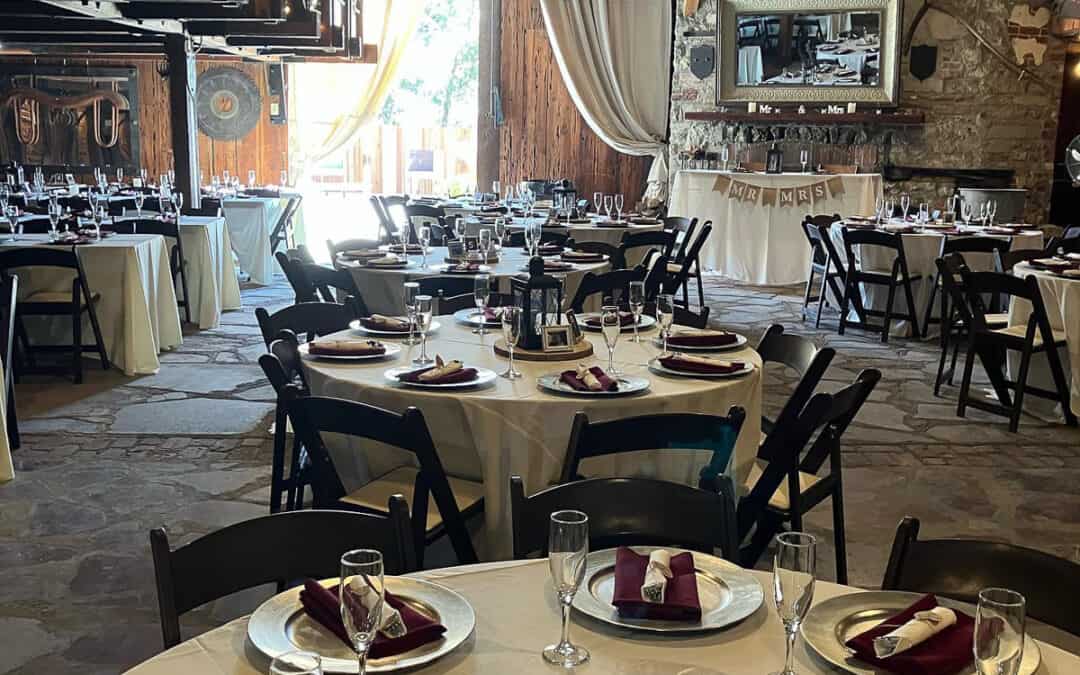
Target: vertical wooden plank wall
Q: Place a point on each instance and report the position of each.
(543, 135)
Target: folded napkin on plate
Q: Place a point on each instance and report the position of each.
(942, 653)
(463, 267)
(361, 253)
(705, 338)
(449, 372)
(596, 321)
(643, 220)
(582, 255)
(589, 379)
(346, 348)
(389, 260)
(411, 248)
(385, 323)
(680, 594)
(550, 249)
(1050, 263)
(322, 605)
(490, 314)
(700, 364)
(493, 209)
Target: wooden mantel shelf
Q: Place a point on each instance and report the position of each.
(891, 118)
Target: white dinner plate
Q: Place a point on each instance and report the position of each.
(404, 264)
(446, 269)
(627, 385)
(355, 325)
(474, 317)
(483, 376)
(280, 625)
(644, 321)
(657, 367)
(392, 349)
(727, 592)
(831, 623)
(740, 342)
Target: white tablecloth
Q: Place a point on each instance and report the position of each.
(383, 292)
(212, 282)
(516, 428)
(7, 469)
(763, 244)
(516, 616)
(137, 311)
(1062, 299)
(580, 233)
(750, 70)
(251, 220)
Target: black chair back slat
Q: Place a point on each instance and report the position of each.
(613, 253)
(303, 289)
(9, 290)
(801, 355)
(336, 247)
(682, 230)
(845, 406)
(305, 318)
(661, 240)
(614, 285)
(282, 367)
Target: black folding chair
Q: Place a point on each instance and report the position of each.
(614, 285)
(336, 247)
(282, 366)
(992, 246)
(432, 217)
(281, 548)
(897, 276)
(306, 318)
(801, 355)
(283, 229)
(682, 230)
(816, 228)
(613, 253)
(680, 273)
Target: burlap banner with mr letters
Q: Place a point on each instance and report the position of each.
(781, 197)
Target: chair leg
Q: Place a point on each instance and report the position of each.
(277, 463)
(184, 287)
(24, 340)
(686, 292)
(965, 383)
(806, 294)
(839, 535)
(97, 336)
(913, 313)
(1021, 384)
(844, 307)
(941, 361)
(930, 307)
(952, 364)
(1061, 384)
(700, 285)
(821, 299)
(886, 322)
(76, 340)
(12, 419)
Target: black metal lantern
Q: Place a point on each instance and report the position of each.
(564, 195)
(540, 298)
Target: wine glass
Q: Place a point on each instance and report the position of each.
(424, 235)
(459, 228)
(423, 322)
(496, 187)
(54, 219)
(991, 211)
(140, 199)
(879, 208)
(598, 201)
(568, 547)
(905, 203)
(144, 176)
(924, 212)
(11, 215)
(793, 586)
(120, 175)
(412, 290)
(5, 196)
(724, 155)
(999, 632)
(178, 202)
(609, 200)
(665, 315)
(296, 663)
(481, 295)
(483, 242)
(99, 215)
(251, 178)
(215, 185)
(890, 209)
(283, 178)
(804, 159)
(636, 298)
(530, 235)
(609, 324)
(509, 194)
(966, 211)
(511, 330)
(361, 594)
(500, 232)
(172, 177)
(619, 205)
(225, 177)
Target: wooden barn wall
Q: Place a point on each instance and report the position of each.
(543, 135)
(263, 149)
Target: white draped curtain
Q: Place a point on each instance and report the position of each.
(615, 58)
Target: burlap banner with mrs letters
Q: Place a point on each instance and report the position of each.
(782, 197)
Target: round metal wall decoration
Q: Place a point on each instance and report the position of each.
(228, 103)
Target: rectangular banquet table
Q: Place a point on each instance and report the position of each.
(579, 232)
(513, 427)
(758, 243)
(251, 220)
(516, 616)
(137, 310)
(212, 282)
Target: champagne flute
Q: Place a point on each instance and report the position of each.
(999, 632)
(665, 315)
(225, 177)
(483, 242)
(879, 208)
(530, 235)
(143, 176)
(568, 547)
(481, 295)
(500, 232)
(283, 178)
(99, 215)
(297, 663)
(610, 326)
(120, 175)
(905, 204)
(509, 194)
(890, 209)
(511, 330)
(361, 593)
(54, 220)
(608, 202)
(172, 177)
(991, 211)
(724, 155)
(966, 212)
(619, 205)
(424, 235)
(636, 297)
(598, 201)
(804, 159)
(459, 228)
(412, 290)
(140, 199)
(793, 586)
(924, 212)
(423, 316)
(251, 178)
(496, 187)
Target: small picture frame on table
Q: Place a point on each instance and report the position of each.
(575, 329)
(557, 338)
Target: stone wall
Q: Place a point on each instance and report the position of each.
(978, 115)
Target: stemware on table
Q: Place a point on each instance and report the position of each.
(511, 330)
(665, 315)
(619, 205)
(424, 235)
(251, 178)
(804, 159)
(423, 322)
(412, 291)
(609, 201)
(793, 586)
(598, 201)
(999, 632)
(568, 547)
(362, 593)
(905, 203)
(481, 295)
(636, 297)
(611, 326)
(500, 233)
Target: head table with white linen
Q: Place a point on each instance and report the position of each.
(514, 427)
(516, 615)
(756, 241)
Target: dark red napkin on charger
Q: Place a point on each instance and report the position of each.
(681, 602)
(677, 362)
(703, 340)
(463, 375)
(943, 654)
(376, 325)
(322, 605)
(596, 321)
(490, 315)
(607, 383)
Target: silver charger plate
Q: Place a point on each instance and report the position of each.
(483, 376)
(447, 269)
(657, 367)
(280, 625)
(644, 322)
(472, 317)
(740, 342)
(392, 349)
(355, 325)
(627, 385)
(404, 264)
(728, 593)
(831, 623)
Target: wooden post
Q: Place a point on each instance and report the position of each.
(185, 141)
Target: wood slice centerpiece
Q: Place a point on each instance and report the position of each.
(582, 349)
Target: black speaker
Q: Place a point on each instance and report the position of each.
(275, 85)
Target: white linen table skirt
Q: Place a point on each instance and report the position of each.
(513, 427)
(251, 220)
(137, 310)
(761, 244)
(516, 616)
(212, 282)
(7, 468)
(579, 233)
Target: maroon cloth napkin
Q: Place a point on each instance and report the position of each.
(490, 315)
(625, 319)
(463, 375)
(676, 362)
(463, 267)
(708, 340)
(681, 601)
(411, 248)
(322, 605)
(943, 654)
(582, 256)
(374, 325)
(607, 383)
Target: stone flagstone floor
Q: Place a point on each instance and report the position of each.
(104, 462)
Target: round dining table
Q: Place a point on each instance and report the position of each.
(384, 292)
(517, 615)
(596, 229)
(513, 427)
